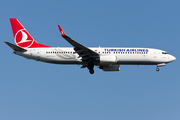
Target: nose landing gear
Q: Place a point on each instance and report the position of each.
(160, 65)
(157, 69)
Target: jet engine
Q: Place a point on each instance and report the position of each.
(108, 59)
(110, 68)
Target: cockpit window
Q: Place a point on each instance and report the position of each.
(164, 53)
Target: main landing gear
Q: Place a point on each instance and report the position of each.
(91, 68)
(157, 69)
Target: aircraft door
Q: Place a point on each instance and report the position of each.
(155, 54)
(38, 53)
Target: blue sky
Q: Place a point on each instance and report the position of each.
(35, 90)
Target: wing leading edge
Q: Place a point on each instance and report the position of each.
(81, 50)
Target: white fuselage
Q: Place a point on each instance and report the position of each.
(127, 56)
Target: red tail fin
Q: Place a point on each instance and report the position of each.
(22, 37)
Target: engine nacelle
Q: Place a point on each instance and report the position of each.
(110, 68)
(108, 59)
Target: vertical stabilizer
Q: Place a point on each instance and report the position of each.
(22, 37)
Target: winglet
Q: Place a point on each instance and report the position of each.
(61, 31)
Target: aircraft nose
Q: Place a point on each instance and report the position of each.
(172, 58)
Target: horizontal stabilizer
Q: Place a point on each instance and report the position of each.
(15, 48)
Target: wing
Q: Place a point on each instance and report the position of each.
(81, 50)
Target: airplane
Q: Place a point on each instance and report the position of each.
(106, 58)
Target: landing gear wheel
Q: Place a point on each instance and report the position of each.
(91, 68)
(157, 69)
(91, 71)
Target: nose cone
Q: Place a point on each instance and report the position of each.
(172, 58)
